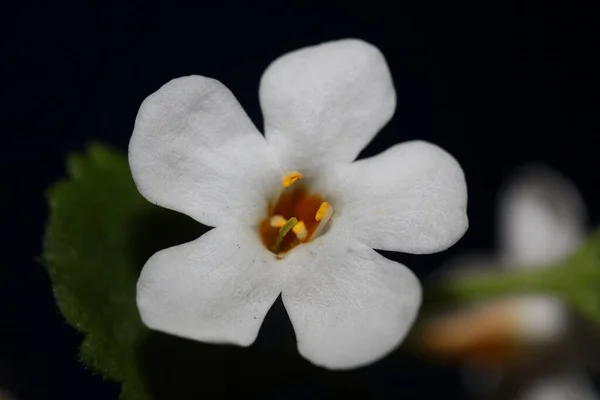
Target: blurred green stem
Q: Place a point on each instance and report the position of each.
(576, 279)
(475, 288)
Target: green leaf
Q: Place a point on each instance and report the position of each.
(99, 235)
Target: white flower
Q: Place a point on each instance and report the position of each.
(527, 346)
(194, 150)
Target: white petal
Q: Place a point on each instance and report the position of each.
(349, 306)
(542, 319)
(410, 198)
(541, 218)
(564, 386)
(325, 103)
(217, 288)
(194, 150)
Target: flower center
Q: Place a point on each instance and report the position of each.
(295, 217)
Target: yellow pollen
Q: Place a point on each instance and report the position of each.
(300, 230)
(322, 211)
(277, 221)
(290, 178)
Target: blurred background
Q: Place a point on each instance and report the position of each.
(496, 85)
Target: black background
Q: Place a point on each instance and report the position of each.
(497, 85)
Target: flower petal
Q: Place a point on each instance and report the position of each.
(194, 150)
(349, 305)
(410, 198)
(498, 331)
(541, 218)
(570, 384)
(542, 319)
(325, 103)
(217, 288)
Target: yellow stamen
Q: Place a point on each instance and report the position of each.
(300, 230)
(323, 216)
(294, 208)
(277, 221)
(289, 224)
(290, 178)
(324, 208)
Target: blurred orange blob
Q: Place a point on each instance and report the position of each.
(486, 334)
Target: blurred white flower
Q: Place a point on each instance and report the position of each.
(523, 347)
(294, 215)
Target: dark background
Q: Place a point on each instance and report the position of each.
(495, 85)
